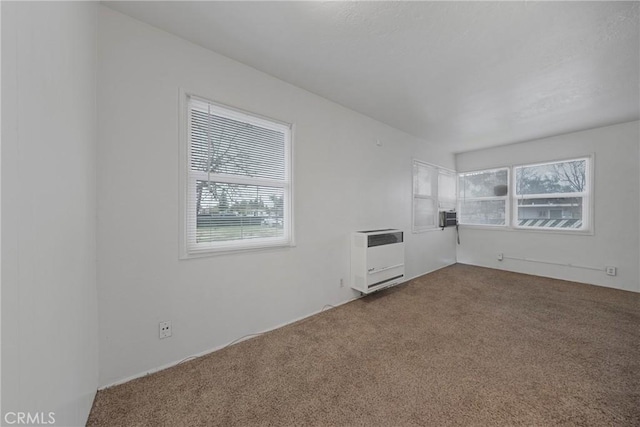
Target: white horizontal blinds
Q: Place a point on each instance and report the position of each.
(231, 212)
(425, 181)
(425, 191)
(553, 195)
(225, 142)
(446, 190)
(239, 186)
(483, 196)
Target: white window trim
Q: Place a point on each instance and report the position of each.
(436, 198)
(507, 213)
(512, 208)
(187, 177)
(587, 198)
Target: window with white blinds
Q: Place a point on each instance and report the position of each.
(425, 196)
(434, 190)
(238, 180)
(447, 195)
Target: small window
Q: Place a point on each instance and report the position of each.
(483, 197)
(553, 195)
(238, 180)
(434, 190)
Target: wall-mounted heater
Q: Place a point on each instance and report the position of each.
(377, 259)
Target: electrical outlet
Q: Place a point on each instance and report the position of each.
(342, 283)
(500, 256)
(611, 271)
(165, 329)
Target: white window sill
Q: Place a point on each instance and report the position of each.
(432, 229)
(212, 252)
(565, 231)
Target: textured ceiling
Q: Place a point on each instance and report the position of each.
(463, 75)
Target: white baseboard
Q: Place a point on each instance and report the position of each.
(245, 338)
(220, 347)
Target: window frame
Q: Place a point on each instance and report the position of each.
(511, 203)
(437, 171)
(507, 210)
(189, 248)
(587, 197)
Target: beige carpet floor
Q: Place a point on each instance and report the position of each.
(461, 346)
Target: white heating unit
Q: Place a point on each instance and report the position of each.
(377, 259)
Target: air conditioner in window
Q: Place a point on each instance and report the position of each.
(448, 219)
(377, 259)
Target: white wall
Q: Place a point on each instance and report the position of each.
(615, 241)
(1, 212)
(343, 182)
(49, 301)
